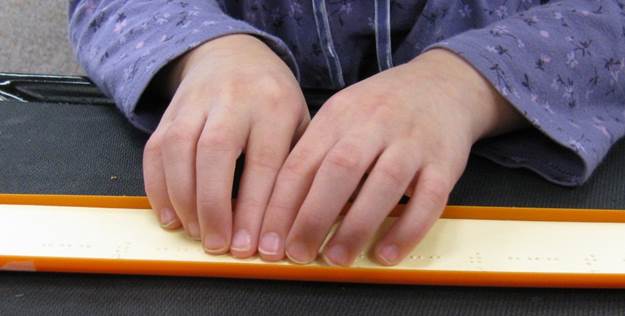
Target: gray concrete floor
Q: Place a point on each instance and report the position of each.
(33, 37)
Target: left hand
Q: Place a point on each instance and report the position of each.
(411, 128)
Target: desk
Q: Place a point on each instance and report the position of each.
(72, 148)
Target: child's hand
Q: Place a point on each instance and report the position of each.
(413, 127)
(232, 94)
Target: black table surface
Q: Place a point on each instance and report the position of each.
(90, 149)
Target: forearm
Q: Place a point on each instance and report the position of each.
(123, 45)
(226, 46)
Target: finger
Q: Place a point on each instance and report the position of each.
(337, 178)
(219, 146)
(301, 127)
(423, 209)
(381, 192)
(292, 184)
(178, 153)
(154, 181)
(267, 148)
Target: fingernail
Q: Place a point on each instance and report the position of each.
(194, 231)
(168, 217)
(336, 255)
(214, 243)
(241, 241)
(389, 254)
(269, 244)
(298, 253)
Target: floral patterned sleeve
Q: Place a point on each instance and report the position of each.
(123, 44)
(562, 66)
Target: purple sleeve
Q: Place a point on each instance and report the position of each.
(562, 66)
(123, 44)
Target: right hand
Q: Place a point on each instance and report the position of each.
(232, 95)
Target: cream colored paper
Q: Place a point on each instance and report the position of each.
(452, 245)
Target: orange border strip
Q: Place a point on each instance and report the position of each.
(140, 202)
(451, 211)
(319, 273)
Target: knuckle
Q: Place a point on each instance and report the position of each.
(380, 111)
(337, 102)
(179, 135)
(278, 206)
(215, 140)
(394, 173)
(346, 156)
(279, 99)
(271, 87)
(384, 112)
(296, 165)
(209, 203)
(250, 204)
(291, 171)
(435, 188)
(375, 106)
(153, 145)
(266, 159)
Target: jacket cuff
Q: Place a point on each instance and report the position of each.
(565, 155)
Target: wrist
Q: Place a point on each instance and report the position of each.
(488, 112)
(220, 47)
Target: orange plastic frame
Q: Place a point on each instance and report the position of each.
(325, 273)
